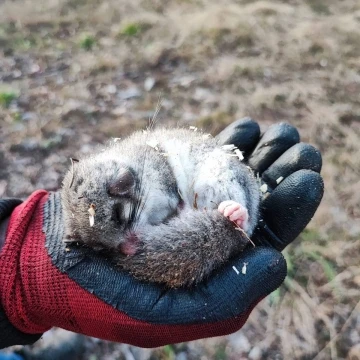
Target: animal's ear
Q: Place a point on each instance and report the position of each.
(73, 161)
(123, 184)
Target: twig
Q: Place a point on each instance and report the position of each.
(243, 232)
(333, 340)
(195, 206)
(315, 307)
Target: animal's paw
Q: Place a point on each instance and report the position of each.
(235, 212)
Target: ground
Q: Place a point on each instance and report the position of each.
(74, 73)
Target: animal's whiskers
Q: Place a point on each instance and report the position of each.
(138, 205)
(152, 120)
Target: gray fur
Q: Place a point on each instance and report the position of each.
(175, 243)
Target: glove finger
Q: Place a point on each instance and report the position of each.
(275, 141)
(293, 202)
(243, 133)
(298, 157)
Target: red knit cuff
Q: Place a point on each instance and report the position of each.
(14, 260)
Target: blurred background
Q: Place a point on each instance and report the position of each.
(76, 72)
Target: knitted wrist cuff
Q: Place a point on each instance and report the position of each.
(9, 334)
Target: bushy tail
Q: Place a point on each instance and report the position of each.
(186, 249)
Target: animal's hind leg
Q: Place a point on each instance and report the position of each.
(235, 212)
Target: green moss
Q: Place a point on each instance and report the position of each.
(169, 352)
(87, 42)
(280, 98)
(316, 49)
(309, 235)
(289, 257)
(220, 353)
(131, 30)
(6, 98)
(25, 42)
(319, 6)
(16, 116)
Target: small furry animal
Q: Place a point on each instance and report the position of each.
(170, 205)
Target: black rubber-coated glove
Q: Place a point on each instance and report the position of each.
(290, 171)
(80, 291)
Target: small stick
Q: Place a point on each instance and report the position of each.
(244, 233)
(195, 201)
(243, 270)
(91, 211)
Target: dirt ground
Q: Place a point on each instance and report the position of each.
(75, 72)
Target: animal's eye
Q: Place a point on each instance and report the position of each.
(118, 215)
(123, 185)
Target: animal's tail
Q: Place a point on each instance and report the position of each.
(186, 249)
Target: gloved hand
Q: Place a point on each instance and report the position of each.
(43, 284)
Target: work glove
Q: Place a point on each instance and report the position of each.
(44, 283)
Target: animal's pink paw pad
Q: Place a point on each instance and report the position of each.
(235, 212)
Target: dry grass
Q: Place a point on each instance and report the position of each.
(289, 61)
